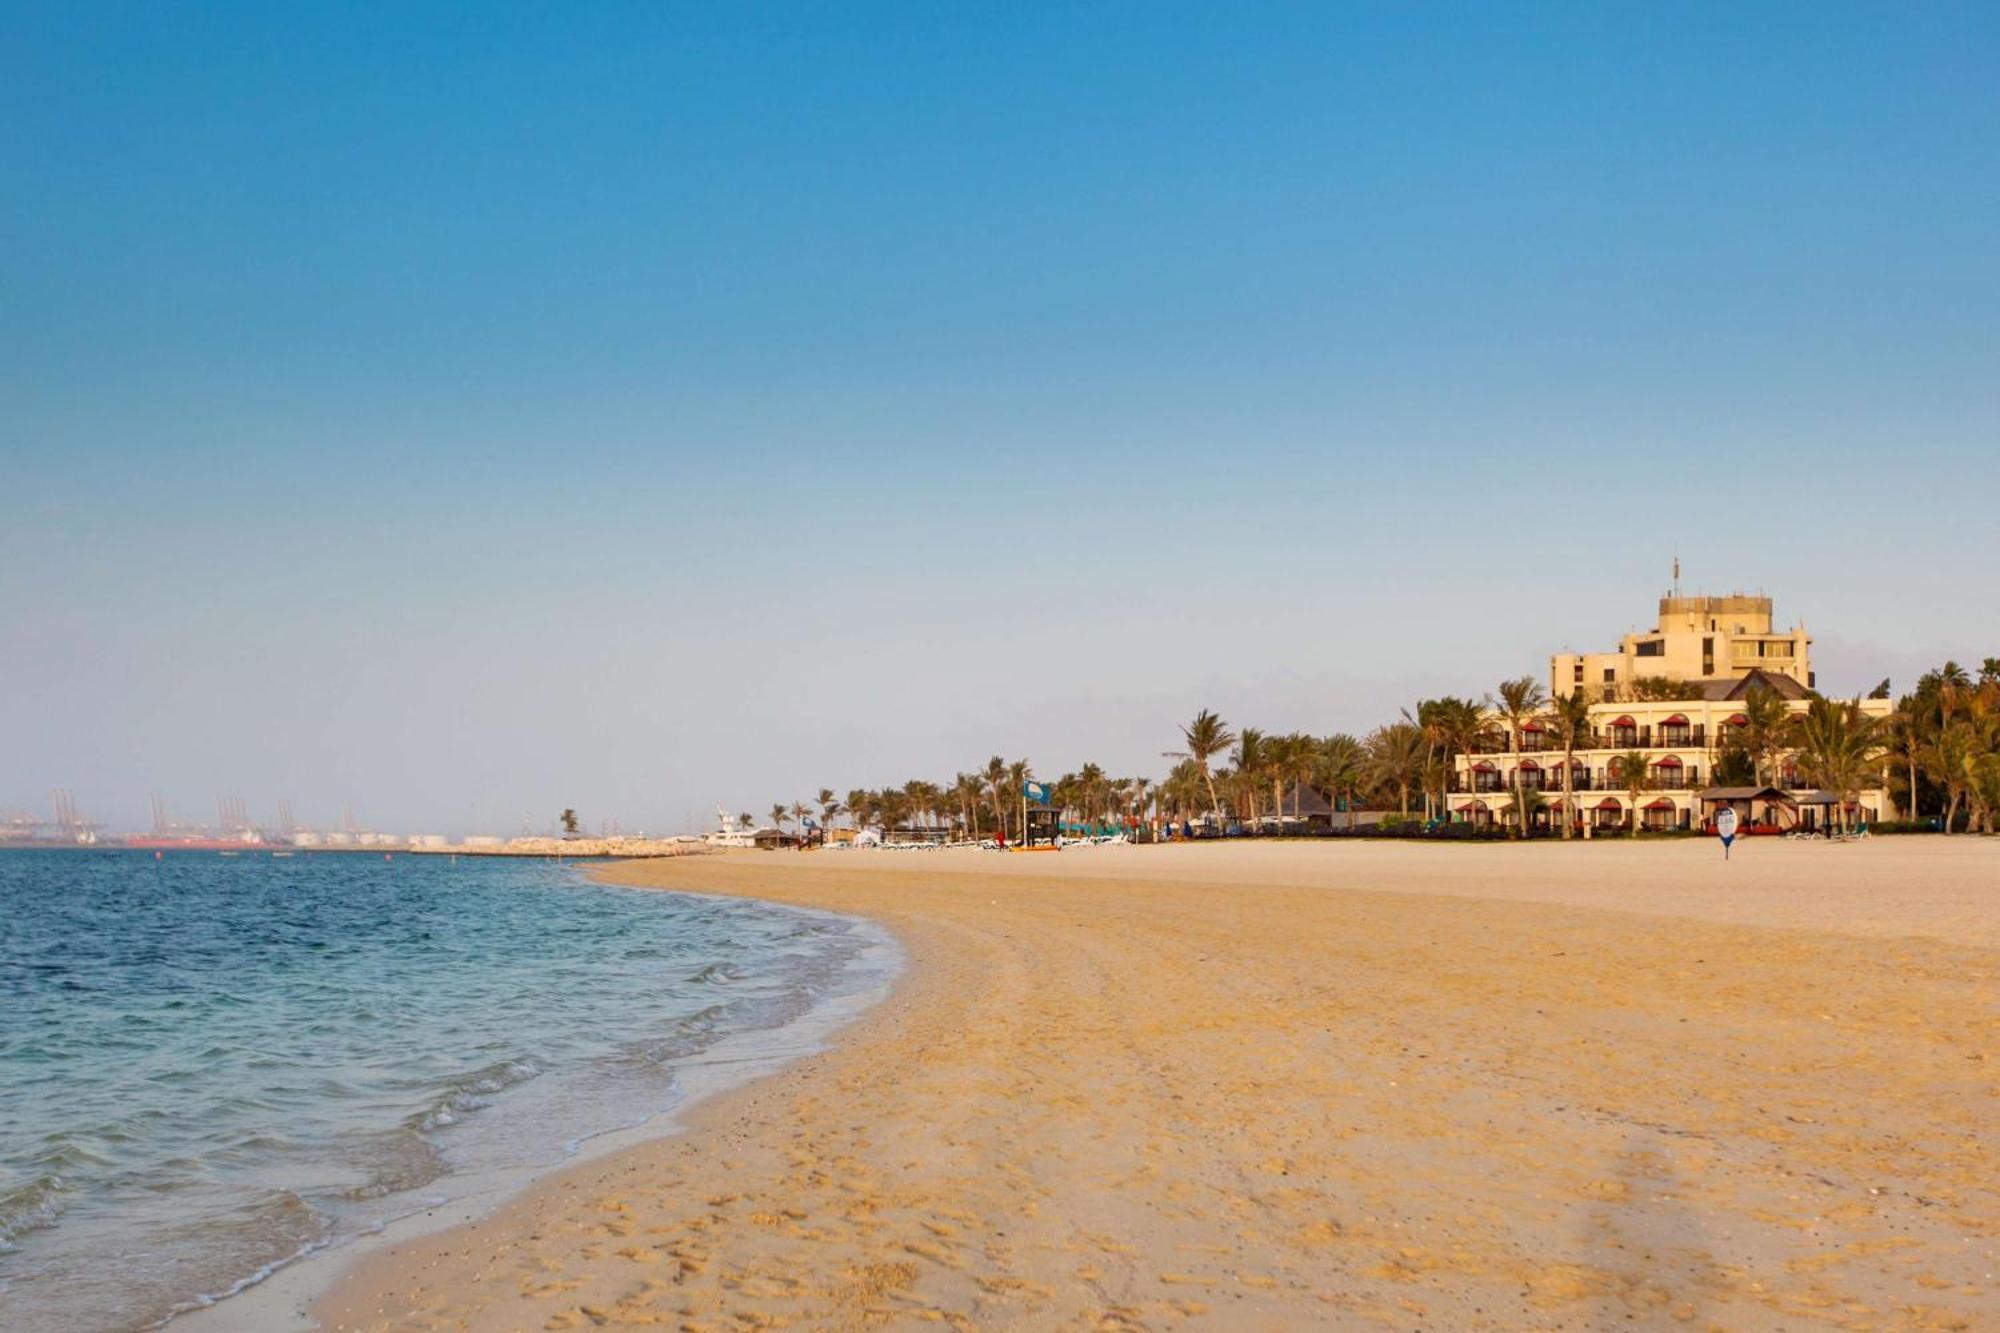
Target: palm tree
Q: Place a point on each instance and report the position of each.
(1425, 718)
(996, 792)
(1205, 737)
(1985, 787)
(1136, 790)
(1277, 768)
(968, 788)
(1342, 761)
(861, 807)
(1182, 788)
(1949, 758)
(1906, 740)
(924, 799)
(1092, 789)
(1526, 802)
(1396, 756)
(829, 808)
(1018, 776)
(892, 808)
(1521, 701)
(1450, 725)
(1301, 761)
(1984, 714)
(1249, 760)
(1570, 715)
(1632, 772)
(799, 812)
(1953, 684)
(1766, 721)
(1839, 750)
(778, 816)
(1460, 725)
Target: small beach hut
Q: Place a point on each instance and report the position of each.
(1756, 807)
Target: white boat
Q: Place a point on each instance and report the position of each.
(732, 831)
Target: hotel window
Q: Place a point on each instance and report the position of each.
(1652, 648)
(1610, 675)
(1577, 676)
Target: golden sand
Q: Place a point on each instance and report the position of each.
(1277, 1087)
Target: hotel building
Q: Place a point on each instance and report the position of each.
(1714, 651)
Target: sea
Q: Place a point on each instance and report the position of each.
(215, 1066)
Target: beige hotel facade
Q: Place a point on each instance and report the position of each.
(1720, 649)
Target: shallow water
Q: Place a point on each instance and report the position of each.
(211, 1065)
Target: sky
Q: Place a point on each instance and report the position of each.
(459, 413)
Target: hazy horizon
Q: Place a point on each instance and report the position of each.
(461, 417)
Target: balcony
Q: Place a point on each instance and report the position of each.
(1549, 783)
(1531, 743)
(1693, 737)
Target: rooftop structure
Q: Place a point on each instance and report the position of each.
(1694, 639)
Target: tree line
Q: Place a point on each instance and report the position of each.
(1942, 743)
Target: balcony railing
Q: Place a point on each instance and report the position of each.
(1550, 783)
(1530, 744)
(1692, 737)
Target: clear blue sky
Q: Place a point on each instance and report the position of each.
(470, 411)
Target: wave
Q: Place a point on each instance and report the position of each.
(396, 1162)
(281, 1218)
(469, 1092)
(30, 1206)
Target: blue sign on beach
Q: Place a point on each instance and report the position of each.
(1035, 792)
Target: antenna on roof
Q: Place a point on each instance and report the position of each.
(1677, 569)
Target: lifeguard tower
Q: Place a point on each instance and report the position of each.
(1041, 823)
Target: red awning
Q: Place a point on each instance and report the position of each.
(1677, 720)
(1662, 804)
(1738, 720)
(1483, 767)
(1529, 763)
(1671, 761)
(1608, 803)
(1624, 722)
(1473, 805)
(1531, 725)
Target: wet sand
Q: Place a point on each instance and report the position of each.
(1307, 1085)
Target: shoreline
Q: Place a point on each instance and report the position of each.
(282, 1300)
(1148, 1088)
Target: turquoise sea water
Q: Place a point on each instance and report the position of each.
(212, 1065)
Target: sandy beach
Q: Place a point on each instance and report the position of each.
(1317, 1085)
